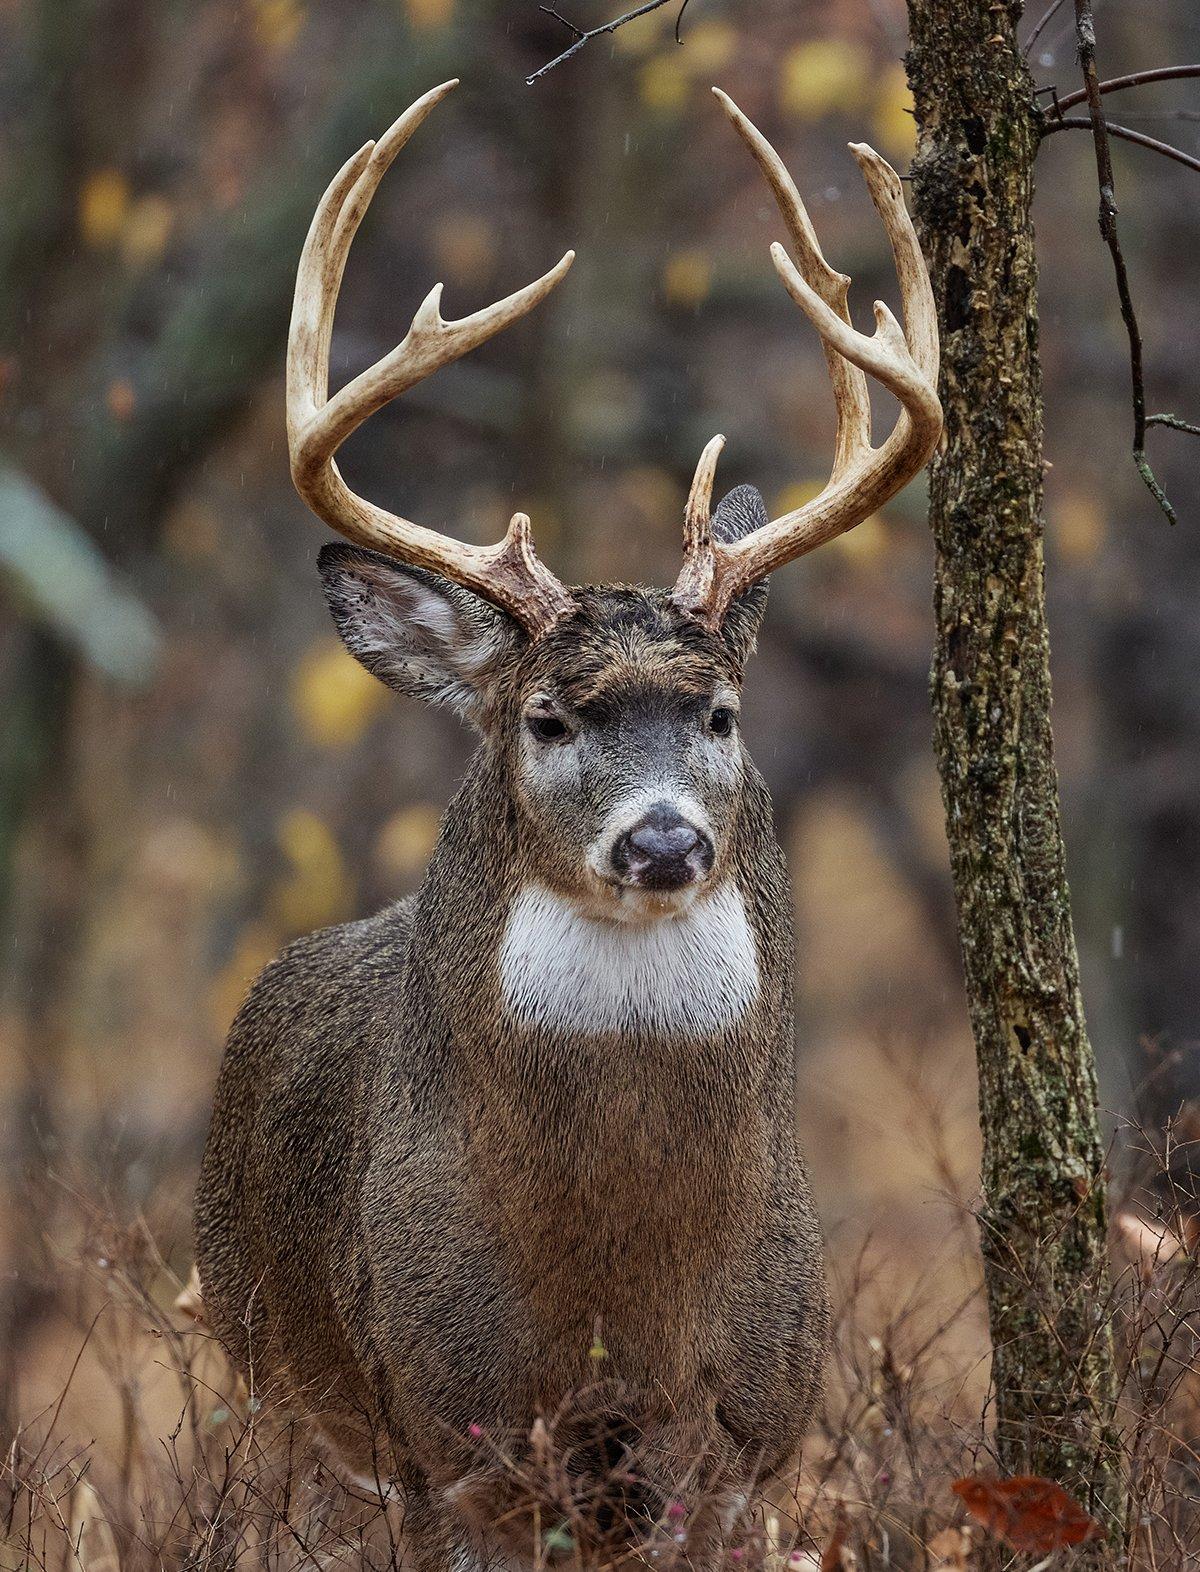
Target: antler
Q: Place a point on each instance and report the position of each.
(508, 574)
(863, 478)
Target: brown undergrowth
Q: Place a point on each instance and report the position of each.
(151, 1453)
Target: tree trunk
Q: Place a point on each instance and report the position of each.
(1043, 1218)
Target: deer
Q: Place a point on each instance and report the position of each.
(512, 1166)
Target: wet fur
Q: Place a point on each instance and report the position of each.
(417, 1209)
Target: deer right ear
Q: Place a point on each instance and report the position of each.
(425, 637)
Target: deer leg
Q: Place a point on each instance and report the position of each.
(436, 1542)
(718, 1525)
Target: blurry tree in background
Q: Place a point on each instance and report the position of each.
(192, 772)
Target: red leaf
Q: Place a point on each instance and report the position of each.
(1028, 1513)
(836, 1558)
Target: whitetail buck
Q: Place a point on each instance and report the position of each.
(549, 1099)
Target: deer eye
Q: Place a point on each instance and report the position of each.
(722, 721)
(547, 728)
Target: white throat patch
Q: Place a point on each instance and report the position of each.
(692, 974)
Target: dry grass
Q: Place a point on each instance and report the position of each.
(138, 1448)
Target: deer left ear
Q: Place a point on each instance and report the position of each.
(742, 511)
(425, 637)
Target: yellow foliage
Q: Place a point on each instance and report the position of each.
(318, 889)
(892, 119)
(866, 543)
(644, 34)
(147, 230)
(863, 544)
(256, 945)
(795, 496)
(687, 277)
(103, 204)
(423, 14)
(1077, 526)
(406, 841)
(278, 23)
(464, 245)
(823, 76)
(709, 47)
(664, 82)
(333, 697)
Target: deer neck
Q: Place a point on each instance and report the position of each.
(623, 1090)
(564, 970)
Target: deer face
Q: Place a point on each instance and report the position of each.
(614, 711)
(626, 755)
(618, 731)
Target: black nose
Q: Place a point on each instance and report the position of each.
(662, 851)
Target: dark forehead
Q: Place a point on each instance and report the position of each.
(627, 644)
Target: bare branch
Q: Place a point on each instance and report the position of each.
(549, 10)
(582, 37)
(1117, 84)
(1047, 16)
(1174, 422)
(1139, 138)
(1085, 32)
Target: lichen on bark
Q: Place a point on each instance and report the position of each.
(1043, 1216)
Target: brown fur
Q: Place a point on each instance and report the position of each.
(415, 1215)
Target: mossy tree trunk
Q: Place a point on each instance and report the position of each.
(1043, 1220)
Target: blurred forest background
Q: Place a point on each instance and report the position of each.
(193, 772)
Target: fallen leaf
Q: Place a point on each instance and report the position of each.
(837, 1557)
(1030, 1514)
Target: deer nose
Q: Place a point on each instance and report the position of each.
(662, 851)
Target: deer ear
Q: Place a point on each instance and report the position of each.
(737, 514)
(425, 637)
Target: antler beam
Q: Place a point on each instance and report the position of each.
(905, 361)
(508, 574)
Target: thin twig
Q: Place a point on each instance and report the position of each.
(1191, 116)
(582, 37)
(559, 17)
(1080, 123)
(1174, 422)
(1117, 84)
(1049, 14)
(1085, 32)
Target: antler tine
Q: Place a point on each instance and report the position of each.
(863, 478)
(916, 292)
(697, 520)
(508, 574)
(849, 385)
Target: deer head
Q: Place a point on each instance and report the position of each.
(614, 710)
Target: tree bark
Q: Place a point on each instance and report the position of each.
(1043, 1216)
